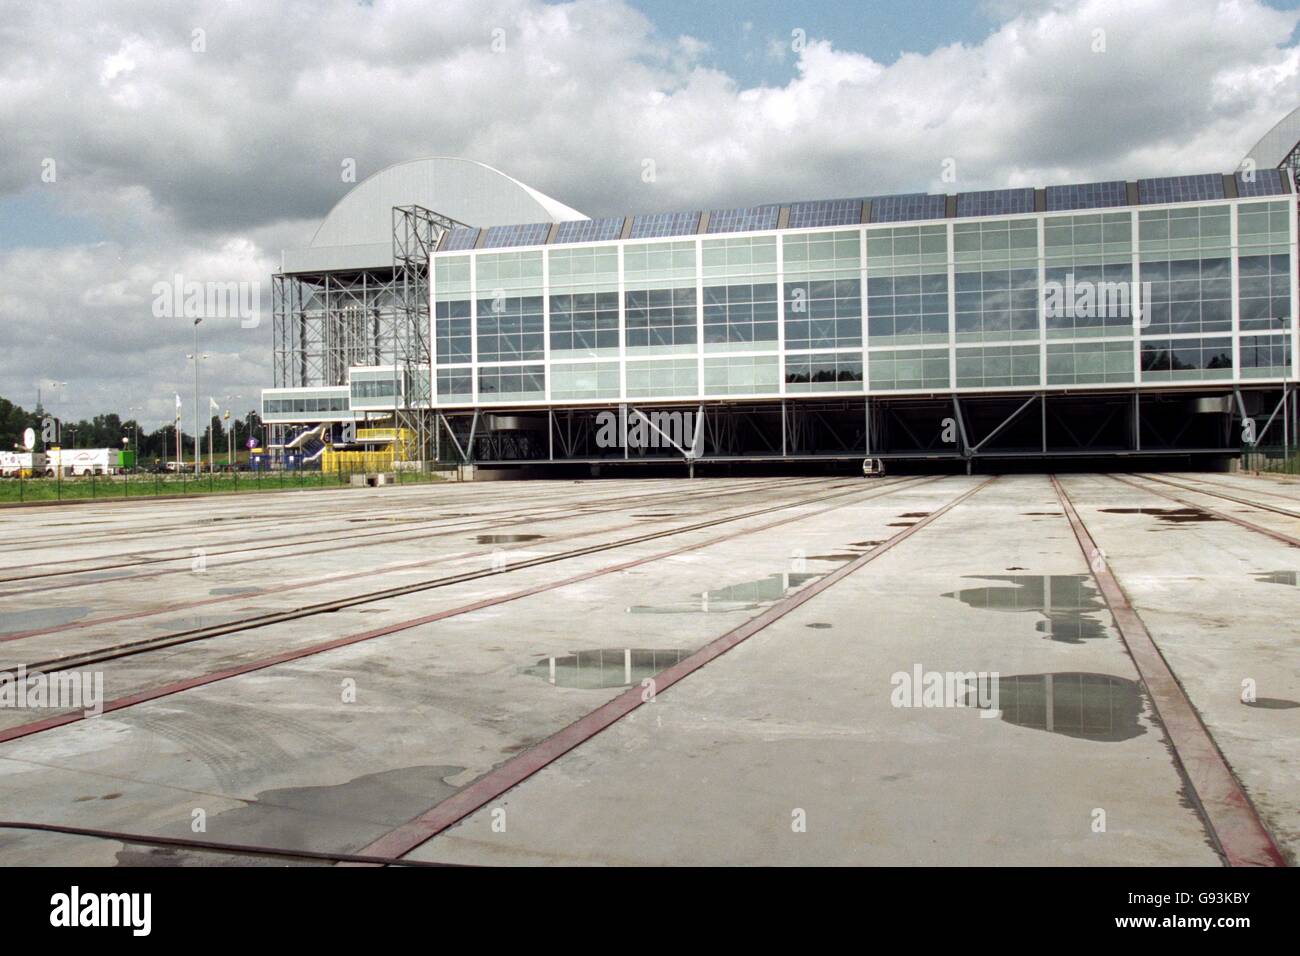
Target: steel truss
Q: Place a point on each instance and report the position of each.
(327, 322)
(960, 428)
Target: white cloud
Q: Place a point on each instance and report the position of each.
(211, 162)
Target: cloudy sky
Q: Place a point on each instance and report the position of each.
(147, 139)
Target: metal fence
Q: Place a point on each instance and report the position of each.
(1271, 460)
(63, 488)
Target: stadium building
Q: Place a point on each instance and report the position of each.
(447, 313)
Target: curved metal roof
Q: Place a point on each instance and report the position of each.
(1278, 143)
(465, 190)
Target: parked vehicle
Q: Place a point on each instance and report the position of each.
(24, 463)
(79, 462)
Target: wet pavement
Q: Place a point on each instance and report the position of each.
(961, 697)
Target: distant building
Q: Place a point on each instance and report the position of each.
(493, 324)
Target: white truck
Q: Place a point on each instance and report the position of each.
(25, 463)
(87, 461)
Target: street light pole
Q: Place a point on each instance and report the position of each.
(135, 429)
(58, 418)
(198, 455)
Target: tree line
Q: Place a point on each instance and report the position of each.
(110, 430)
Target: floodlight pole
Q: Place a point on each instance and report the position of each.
(198, 448)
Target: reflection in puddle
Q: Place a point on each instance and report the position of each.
(616, 667)
(1172, 515)
(507, 538)
(1067, 601)
(1279, 577)
(736, 597)
(1087, 706)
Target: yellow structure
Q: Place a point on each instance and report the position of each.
(386, 448)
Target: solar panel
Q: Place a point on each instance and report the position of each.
(530, 234)
(743, 220)
(665, 224)
(825, 212)
(1181, 188)
(908, 207)
(590, 230)
(995, 202)
(1268, 182)
(459, 239)
(1087, 196)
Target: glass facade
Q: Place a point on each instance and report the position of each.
(1149, 294)
(739, 283)
(1186, 258)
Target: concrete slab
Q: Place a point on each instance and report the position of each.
(333, 749)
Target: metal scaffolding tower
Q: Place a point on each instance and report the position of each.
(416, 233)
(329, 321)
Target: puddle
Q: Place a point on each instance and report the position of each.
(666, 514)
(915, 514)
(1171, 515)
(1043, 514)
(315, 818)
(40, 617)
(507, 538)
(1279, 577)
(818, 625)
(831, 557)
(745, 596)
(1272, 703)
(900, 524)
(234, 591)
(1085, 706)
(1067, 602)
(614, 667)
(864, 544)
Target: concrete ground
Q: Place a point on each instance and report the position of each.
(312, 670)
